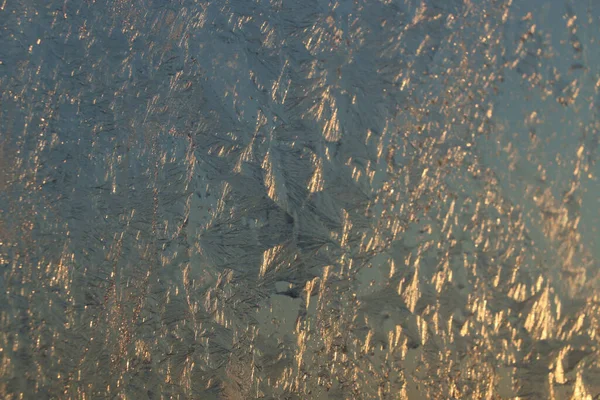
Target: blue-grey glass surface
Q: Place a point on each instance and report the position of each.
(299, 199)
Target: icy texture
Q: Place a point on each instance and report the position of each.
(299, 199)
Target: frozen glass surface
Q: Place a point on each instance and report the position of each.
(299, 199)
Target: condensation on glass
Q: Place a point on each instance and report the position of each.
(285, 199)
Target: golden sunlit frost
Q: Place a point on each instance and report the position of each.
(299, 199)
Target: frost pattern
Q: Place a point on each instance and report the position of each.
(299, 199)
